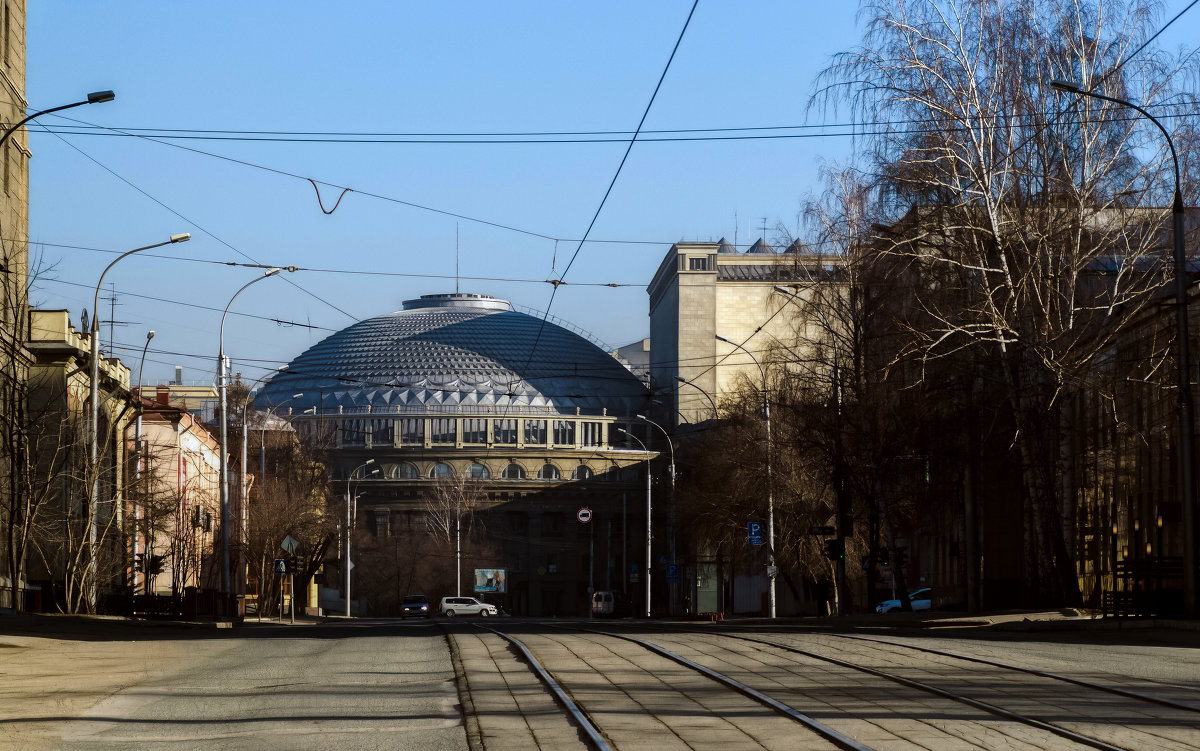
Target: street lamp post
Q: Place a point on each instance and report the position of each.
(649, 507)
(685, 381)
(1186, 424)
(352, 500)
(771, 570)
(137, 468)
(94, 409)
(670, 508)
(96, 97)
(221, 387)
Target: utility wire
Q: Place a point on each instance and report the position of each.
(1138, 51)
(196, 224)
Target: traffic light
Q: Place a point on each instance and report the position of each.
(885, 558)
(835, 549)
(139, 561)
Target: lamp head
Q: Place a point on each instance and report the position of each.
(297, 396)
(182, 237)
(681, 379)
(1069, 87)
(722, 339)
(272, 272)
(149, 334)
(100, 96)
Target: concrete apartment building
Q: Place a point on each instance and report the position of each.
(703, 290)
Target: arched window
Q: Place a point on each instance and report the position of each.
(405, 471)
(548, 472)
(478, 472)
(583, 472)
(441, 469)
(514, 472)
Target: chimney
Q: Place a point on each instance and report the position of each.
(163, 395)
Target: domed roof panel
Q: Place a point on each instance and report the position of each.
(470, 350)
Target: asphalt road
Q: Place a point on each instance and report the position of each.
(97, 684)
(309, 687)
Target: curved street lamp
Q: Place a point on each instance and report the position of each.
(137, 468)
(649, 507)
(221, 388)
(352, 500)
(686, 382)
(96, 97)
(670, 507)
(766, 403)
(1187, 483)
(94, 407)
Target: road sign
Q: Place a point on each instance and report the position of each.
(290, 545)
(281, 566)
(754, 533)
(672, 570)
(772, 571)
(823, 529)
(584, 516)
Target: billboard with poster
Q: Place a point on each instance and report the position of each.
(490, 580)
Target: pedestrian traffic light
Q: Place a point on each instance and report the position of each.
(885, 558)
(835, 549)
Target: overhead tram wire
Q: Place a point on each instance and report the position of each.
(197, 225)
(743, 133)
(357, 272)
(632, 140)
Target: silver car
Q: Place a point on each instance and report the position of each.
(452, 606)
(921, 599)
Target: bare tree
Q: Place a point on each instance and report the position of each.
(1025, 224)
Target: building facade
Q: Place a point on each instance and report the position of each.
(14, 262)
(705, 290)
(175, 502)
(517, 423)
(59, 479)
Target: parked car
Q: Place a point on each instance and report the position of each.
(452, 606)
(920, 599)
(416, 606)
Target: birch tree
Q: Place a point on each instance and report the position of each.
(1025, 224)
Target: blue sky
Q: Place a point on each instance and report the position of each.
(392, 67)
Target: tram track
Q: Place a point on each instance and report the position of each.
(1181, 718)
(584, 668)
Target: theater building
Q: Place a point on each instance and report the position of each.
(464, 386)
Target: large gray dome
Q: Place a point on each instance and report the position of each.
(465, 352)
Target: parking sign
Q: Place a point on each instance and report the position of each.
(754, 533)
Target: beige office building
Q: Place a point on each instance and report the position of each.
(706, 290)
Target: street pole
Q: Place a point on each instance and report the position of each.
(649, 507)
(1185, 409)
(222, 386)
(351, 500)
(94, 410)
(137, 472)
(766, 406)
(674, 594)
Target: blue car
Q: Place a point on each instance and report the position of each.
(416, 606)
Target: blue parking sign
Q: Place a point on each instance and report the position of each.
(672, 572)
(754, 533)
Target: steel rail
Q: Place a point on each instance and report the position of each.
(989, 708)
(1032, 671)
(594, 736)
(828, 733)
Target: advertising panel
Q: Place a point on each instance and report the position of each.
(490, 580)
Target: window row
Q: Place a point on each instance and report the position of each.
(475, 471)
(470, 431)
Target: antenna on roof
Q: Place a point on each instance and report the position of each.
(456, 277)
